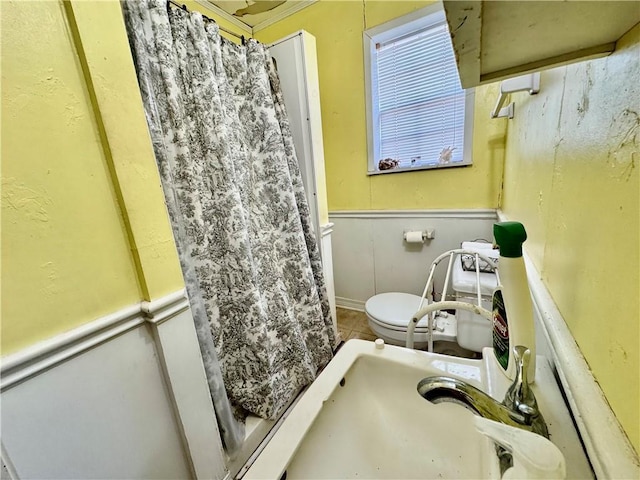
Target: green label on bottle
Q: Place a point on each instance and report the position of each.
(500, 330)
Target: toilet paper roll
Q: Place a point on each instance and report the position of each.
(413, 237)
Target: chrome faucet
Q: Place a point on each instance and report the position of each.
(518, 409)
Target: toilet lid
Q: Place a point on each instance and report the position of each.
(395, 310)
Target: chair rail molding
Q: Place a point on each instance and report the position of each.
(472, 213)
(177, 357)
(31, 361)
(371, 255)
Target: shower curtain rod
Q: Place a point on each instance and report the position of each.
(184, 7)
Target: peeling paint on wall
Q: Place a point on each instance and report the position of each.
(624, 130)
(571, 178)
(583, 103)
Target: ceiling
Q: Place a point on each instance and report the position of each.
(256, 13)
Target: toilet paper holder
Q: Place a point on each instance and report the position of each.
(419, 236)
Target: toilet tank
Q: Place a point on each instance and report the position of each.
(474, 332)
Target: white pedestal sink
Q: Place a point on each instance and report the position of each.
(363, 418)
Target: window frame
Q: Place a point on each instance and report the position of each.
(424, 18)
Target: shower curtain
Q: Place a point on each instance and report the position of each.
(238, 210)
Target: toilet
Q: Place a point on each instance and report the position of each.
(389, 313)
(473, 332)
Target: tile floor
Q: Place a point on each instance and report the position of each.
(353, 324)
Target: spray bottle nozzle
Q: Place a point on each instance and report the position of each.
(509, 236)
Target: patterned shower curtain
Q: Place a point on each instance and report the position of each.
(238, 210)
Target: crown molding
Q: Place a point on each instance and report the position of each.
(246, 29)
(299, 5)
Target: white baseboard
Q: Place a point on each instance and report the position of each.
(350, 304)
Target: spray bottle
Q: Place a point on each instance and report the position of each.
(512, 306)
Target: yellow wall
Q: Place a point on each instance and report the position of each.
(571, 177)
(84, 228)
(338, 28)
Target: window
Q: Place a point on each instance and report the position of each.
(418, 116)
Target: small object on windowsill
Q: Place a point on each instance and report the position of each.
(387, 164)
(445, 155)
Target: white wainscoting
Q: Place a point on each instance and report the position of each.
(327, 269)
(371, 257)
(124, 396)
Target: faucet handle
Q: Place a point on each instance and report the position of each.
(522, 356)
(519, 396)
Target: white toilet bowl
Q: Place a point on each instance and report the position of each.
(390, 313)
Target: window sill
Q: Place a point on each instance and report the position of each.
(415, 169)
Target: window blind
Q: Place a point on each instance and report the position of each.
(420, 104)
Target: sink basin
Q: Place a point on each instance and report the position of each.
(363, 418)
(377, 426)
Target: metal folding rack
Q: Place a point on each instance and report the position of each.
(432, 307)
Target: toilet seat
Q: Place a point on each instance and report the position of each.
(393, 311)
